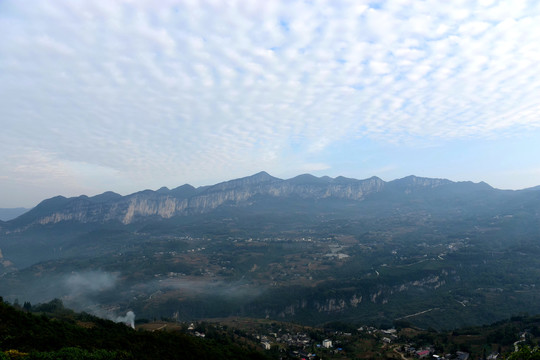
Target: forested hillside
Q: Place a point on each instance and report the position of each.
(58, 333)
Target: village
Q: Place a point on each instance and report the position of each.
(295, 342)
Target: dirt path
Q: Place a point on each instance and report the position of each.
(400, 354)
(418, 313)
(160, 328)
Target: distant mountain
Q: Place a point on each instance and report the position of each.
(535, 188)
(45, 231)
(187, 200)
(11, 213)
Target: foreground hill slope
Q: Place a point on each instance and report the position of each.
(81, 336)
(51, 331)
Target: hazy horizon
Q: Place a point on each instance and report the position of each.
(130, 95)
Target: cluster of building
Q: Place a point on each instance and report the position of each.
(390, 336)
(300, 345)
(297, 343)
(191, 328)
(299, 340)
(429, 353)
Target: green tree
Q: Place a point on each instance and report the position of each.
(27, 306)
(525, 353)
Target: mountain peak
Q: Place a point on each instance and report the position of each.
(309, 179)
(183, 191)
(163, 190)
(256, 179)
(413, 180)
(262, 176)
(106, 196)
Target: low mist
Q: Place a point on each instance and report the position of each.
(89, 282)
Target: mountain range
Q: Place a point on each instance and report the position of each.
(188, 200)
(309, 249)
(59, 220)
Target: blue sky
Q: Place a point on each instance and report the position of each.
(128, 95)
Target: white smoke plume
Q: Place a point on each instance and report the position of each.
(129, 319)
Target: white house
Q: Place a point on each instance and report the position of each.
(327, 343)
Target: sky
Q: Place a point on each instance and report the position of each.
(129, 95)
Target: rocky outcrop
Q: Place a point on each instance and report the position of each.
(413, 183)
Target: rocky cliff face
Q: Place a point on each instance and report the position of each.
(165, 203)
(412, 183)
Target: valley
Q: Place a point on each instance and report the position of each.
(432, 253)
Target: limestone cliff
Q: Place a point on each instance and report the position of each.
(185, 200)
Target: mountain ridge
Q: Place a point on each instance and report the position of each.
(7, 214)
(186, 199)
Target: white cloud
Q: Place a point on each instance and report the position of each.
(473, 28)
(174, 91)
